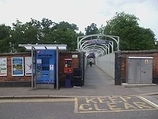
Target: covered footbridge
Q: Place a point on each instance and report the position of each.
(102, 50)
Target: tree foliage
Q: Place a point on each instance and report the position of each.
(92, 29)
(4, 38)
(132, 36)
(64, 33)
(41, 32)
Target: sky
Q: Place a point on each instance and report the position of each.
(79, 12)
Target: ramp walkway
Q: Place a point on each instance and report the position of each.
(97, 77)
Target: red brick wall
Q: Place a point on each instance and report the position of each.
(9, 77)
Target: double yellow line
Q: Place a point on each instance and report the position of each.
(37, 100)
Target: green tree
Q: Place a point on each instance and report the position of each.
(64, 33)
(92, 29)
(5, 38)
(132, 36)
(47, 26)
(27, 33)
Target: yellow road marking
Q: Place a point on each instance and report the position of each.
(76, 106)
(35, 100)
(97, 104)
(148, 101)
(113, 111)
(112, 104)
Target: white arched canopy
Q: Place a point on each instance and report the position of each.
(99, 44)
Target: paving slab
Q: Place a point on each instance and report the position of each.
(97, 83)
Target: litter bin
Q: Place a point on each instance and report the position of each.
(78, 81)
(77, 78)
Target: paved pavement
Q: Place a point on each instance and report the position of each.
(97, 83)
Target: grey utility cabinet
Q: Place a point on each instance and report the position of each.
(139, 70)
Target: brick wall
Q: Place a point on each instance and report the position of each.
(4, 80)
(10, 80)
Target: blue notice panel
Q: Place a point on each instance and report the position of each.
(45, 66)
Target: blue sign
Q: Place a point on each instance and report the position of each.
(45, 63)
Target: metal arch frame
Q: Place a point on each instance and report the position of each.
(101, 49)
(82, 43)
(100, 52)
(105, 47)
(91, 47)
(97, 52)
(84, 47)
(115, 38)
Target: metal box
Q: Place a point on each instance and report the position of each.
(139, 70)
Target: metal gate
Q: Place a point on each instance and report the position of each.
(139, 70)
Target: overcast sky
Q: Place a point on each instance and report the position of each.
(80, 12)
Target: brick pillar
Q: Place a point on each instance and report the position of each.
(118, 68)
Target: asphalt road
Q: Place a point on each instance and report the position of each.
(98, 99)
(99, 107)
